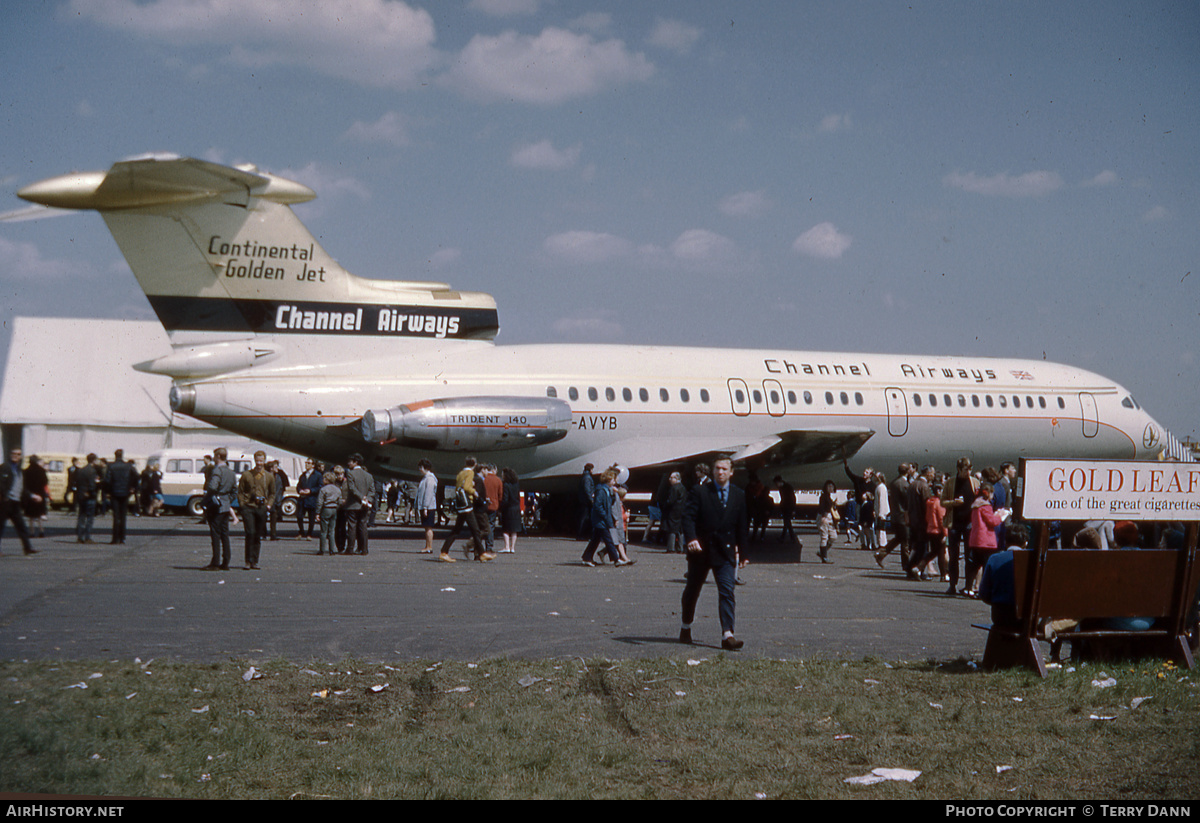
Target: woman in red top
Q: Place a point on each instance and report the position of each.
(982, 541)
(935, 529)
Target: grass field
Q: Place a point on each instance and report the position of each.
(715, 726)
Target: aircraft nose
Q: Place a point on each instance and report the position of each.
(1158, 443)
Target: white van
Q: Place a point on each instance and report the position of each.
(183, 477)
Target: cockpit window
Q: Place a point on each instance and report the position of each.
(1127, 402)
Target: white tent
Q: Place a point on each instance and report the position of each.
(70, 388)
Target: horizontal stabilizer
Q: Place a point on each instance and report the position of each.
(132, 184)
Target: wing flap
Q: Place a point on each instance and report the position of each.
(804, 446)
(794, 447)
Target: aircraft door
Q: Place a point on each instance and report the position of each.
(897, 406)
(776, 404)
(739, 396)
(1091, 415)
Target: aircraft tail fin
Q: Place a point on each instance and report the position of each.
(218, 250)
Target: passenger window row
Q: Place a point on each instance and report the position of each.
(843, 398)
(987, 400)
(610, 394)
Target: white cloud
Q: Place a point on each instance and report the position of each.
(555, 66)
(444, 258)
(702, 246)
(1155, 214)
(586, 247)
(1030, 184)
(30, 212)
(834, 122)
(505, 8)
(823, 240)
(381, 43)
(602, 325)
(674, 35)
(695, 249)
(1104, 178)
(384, 44)
(328, 185)
(596, 22)
(542, 155)
(390, 129)
(24, 262)
(745, 204)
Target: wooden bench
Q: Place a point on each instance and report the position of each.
(1089, 585)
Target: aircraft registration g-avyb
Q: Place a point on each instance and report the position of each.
(272, 339)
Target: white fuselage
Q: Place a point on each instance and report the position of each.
(645, 406)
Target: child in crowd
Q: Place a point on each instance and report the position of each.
(866, 522)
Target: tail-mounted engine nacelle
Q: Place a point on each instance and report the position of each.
(470, 423)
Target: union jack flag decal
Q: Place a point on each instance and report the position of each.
(1022, 375)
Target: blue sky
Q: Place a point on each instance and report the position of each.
(1004, 179)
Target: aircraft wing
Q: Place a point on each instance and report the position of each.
(794, 447)
(803, 446)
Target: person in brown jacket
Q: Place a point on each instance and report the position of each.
(256, 492)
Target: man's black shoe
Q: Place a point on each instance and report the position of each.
(685, 636)
(731, 643)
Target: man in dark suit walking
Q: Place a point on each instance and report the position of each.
(12, 495)
(716, 526)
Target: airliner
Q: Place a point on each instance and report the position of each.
(272, 339)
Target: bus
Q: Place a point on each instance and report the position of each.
(183, 477)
